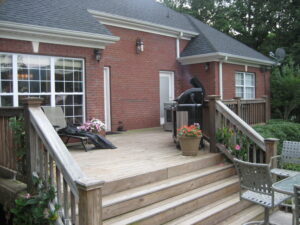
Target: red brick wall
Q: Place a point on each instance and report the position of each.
(210, 78)
(93, 71)
(135, 77)
(261, 80)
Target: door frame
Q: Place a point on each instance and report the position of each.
(170, 75)
(107, 97)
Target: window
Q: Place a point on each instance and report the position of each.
(245, 85)
(60, 81)
(6, 80)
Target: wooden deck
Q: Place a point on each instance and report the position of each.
(138, 152)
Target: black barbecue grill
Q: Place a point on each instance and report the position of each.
(190, 101)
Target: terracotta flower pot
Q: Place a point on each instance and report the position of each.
(189, 145)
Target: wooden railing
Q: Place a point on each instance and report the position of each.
(254, 111)
(8, 157)
(50, 159)
(221, 116)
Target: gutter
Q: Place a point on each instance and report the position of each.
(220, 56)
(27, 32)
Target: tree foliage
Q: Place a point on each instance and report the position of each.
(285, 90)
(261, 24)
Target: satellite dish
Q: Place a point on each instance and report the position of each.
(279, 54)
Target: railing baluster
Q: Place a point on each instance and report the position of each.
(46, 165)
(58, 188)
(73, 208)
(51, 162)
(41, 158)
(254, 153)
(66, 202)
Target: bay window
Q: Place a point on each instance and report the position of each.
(58, 80)
(245, 85)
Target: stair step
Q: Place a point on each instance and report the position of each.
(161, 174)
(180, 205)
(132, 199)
(214, 213)
(244, 216)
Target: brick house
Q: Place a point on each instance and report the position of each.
(117, 60)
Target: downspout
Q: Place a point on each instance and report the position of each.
(221, 79)
(178, 44)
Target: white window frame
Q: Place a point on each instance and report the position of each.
(52, 92)
(244, 86)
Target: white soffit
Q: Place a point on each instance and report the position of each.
(140, 25)
(223, 57)
(26, 32)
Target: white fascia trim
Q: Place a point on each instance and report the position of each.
(27, 32)
(140, 25)
(224, 57)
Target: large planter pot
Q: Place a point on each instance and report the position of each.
(189, 145)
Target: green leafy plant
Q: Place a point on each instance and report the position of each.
(33, 209)
(236, 143)
(190, 131)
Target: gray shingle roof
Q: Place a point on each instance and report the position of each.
(211, 40)
(73, 15)
(146, 10)
(64, 14)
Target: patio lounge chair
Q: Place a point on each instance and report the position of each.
(57, 119)
(290, 155)
(256, 180)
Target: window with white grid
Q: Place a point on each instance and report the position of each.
(245, 85)
(59, 80)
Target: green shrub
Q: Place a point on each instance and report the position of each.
(283, 130)
(33, 209)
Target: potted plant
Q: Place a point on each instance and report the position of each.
(95, 126)
(189, 139)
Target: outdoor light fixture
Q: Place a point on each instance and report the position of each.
(139, 45)
(98, 54)
(206, 66)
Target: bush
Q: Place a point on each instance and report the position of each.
(283, 130)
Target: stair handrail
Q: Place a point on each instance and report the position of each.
(48, 157)
(56, 148)
(220, 116)
(241, 124)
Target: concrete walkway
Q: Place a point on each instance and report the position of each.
(281, 218)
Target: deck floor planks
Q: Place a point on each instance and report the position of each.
(138, 152)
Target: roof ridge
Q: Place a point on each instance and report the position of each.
(199, 30)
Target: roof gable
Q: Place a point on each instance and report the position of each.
(216, 41)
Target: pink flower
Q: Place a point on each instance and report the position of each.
(27, 196)
(237, 147)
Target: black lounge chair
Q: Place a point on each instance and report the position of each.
(58, 121)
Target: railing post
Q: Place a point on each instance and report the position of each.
(271, 148)
(238, 106)
(212, 121)
(90, 202)
(267, 108)
(30, 135)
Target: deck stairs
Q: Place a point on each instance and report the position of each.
(205, 191)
